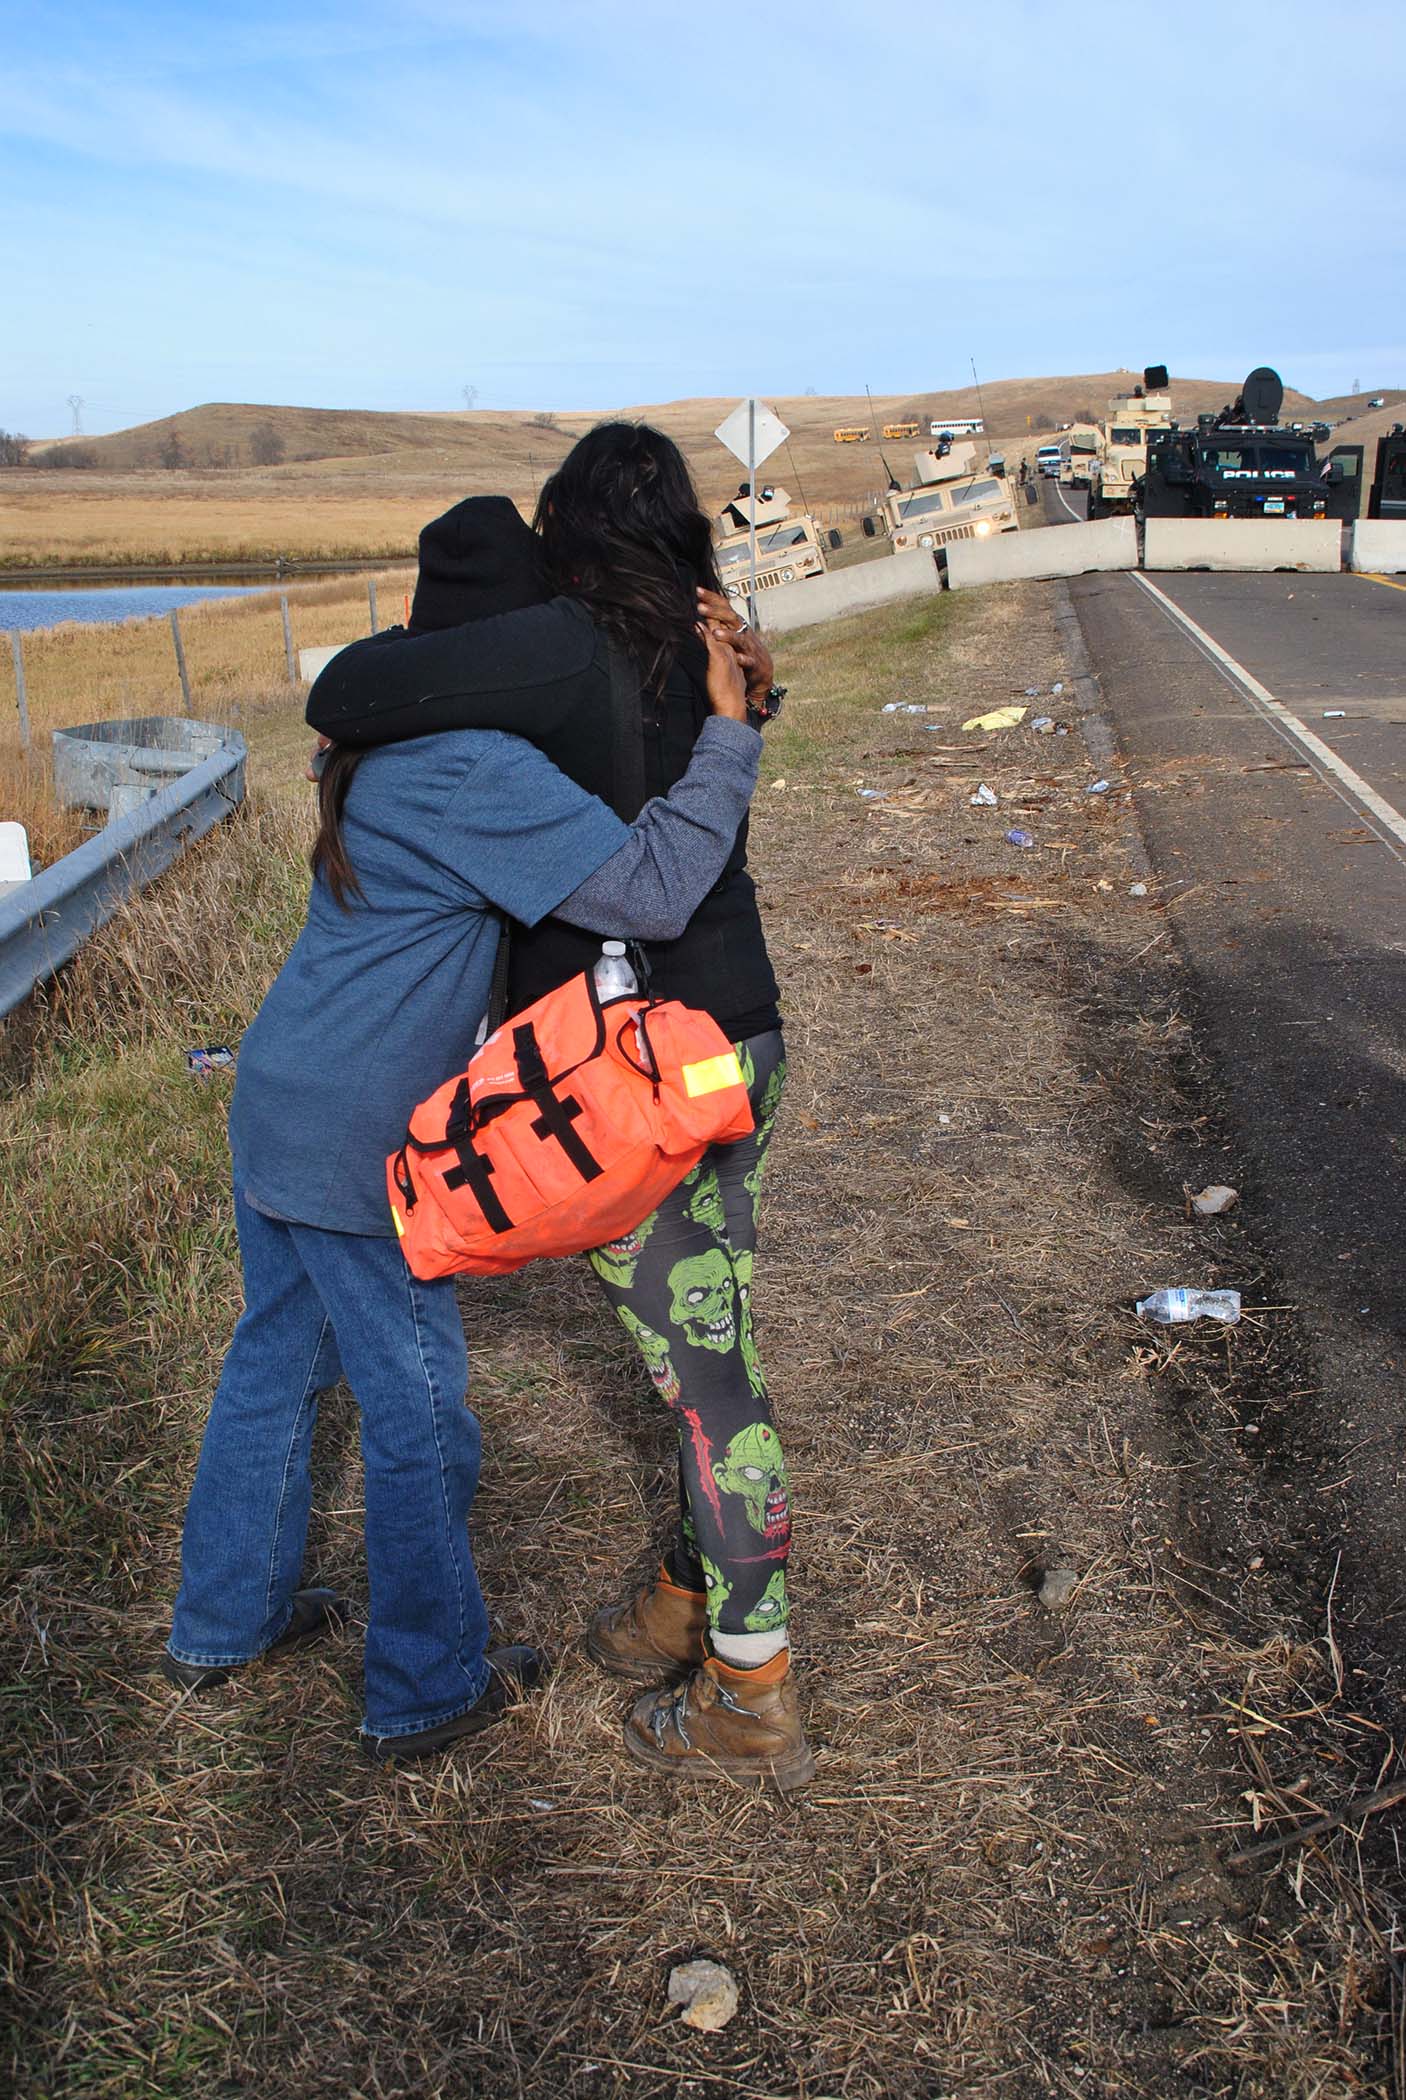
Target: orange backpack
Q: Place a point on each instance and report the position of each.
(572, 1123)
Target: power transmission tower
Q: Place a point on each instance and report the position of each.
(470, 394)
(75, 402)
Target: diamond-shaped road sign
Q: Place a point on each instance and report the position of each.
(767, 432)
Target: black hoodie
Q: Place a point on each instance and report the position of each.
(485, 649)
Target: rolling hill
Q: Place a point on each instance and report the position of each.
(247, 482)
(487, 449)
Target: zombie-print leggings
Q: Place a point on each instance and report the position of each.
(681, 1284)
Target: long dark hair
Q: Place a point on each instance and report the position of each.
(622, 531)
(329, 855)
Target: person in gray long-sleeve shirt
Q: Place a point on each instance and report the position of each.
(375, 1007)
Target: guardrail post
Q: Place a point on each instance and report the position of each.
(21, 698)
(371, 601)
(180, 657)
(288, 638)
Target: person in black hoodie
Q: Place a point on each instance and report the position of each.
(608, 677)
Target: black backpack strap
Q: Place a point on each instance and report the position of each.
(496, 1012)
(628, 791)
(627, 735)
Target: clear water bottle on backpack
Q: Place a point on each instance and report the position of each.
(1172, 1308)
(614, 977)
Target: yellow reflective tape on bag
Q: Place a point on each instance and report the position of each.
(712, 1075)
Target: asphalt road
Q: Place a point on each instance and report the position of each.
(1062, 506)
(1278, 838)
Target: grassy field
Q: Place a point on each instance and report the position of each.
(57, 521)
(235, 659)
(1017, 1873)
(357, 485)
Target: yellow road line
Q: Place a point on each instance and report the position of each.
(1390, 581)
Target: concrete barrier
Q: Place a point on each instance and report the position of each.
(312, 661)
(1058, 550)
(1243, 543)
(1378, 546)
(859, 589)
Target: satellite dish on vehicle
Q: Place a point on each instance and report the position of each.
(1263, 395)
(1154, 378)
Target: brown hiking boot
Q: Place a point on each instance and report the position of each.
(744, 1723)
(656, 1638)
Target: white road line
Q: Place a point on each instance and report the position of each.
(1069, 506)
(1361, 798)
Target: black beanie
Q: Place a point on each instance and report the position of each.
(481, 557)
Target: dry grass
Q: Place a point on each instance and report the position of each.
(81, 521)
(234, 656)
(1010, 1877)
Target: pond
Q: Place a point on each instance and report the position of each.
(27, 609)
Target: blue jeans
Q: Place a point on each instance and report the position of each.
(317, 1303)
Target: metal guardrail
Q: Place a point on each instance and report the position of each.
(45, 922)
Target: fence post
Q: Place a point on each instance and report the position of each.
(371, 600)
(288, 639)
(20, 695)
(180, 657)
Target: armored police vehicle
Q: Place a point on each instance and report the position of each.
(953, 498)
(1388, 497)
(1244, 463)
(789, 548)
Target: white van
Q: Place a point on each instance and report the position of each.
(1047, 460)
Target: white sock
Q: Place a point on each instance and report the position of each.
(747, 1651)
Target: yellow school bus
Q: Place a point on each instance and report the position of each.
(900, 430)
(853, 434)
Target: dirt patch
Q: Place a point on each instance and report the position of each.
(1016, 1872)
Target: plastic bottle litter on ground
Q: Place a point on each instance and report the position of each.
(614, 977)
(1017, 837)
(984, 798)
(1045, 724)
(1099, 787)
(1173, 1308)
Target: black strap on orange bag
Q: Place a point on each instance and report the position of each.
(627, 799)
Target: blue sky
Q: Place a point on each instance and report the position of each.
(564, 203)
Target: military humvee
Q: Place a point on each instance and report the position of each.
(1077, 454)
(789, 549)
(953, 498)
(1121, 457)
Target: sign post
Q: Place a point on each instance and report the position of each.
(752, 433)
